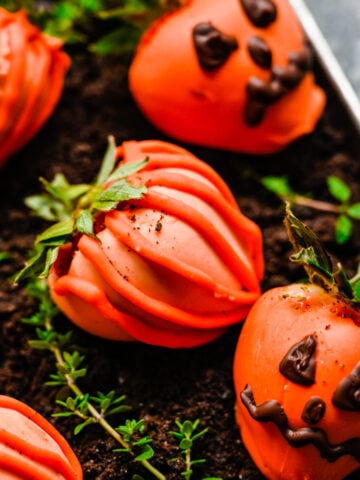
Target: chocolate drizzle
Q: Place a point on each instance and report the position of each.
(212, 46)
(298, 365)
(260, 52)
(261, 13)
(347, 394)
(272, 411)
(262, 93)
(314, 410)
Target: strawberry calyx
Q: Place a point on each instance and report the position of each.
(77, 210)
(310, 253)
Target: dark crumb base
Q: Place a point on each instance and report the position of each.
(162, 385)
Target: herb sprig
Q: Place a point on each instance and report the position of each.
(345, 210)
(90, 409)
(74, 208)
(101, 26)
(186, 437)
(69, 369)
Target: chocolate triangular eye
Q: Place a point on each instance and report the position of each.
(347, 394)
(298, 365)
(212, 46)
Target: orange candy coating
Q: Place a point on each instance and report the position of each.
(31, 448)
(32, 69)
(207, 107)
(279, 320)
(175, 268)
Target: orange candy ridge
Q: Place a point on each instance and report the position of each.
(31, 448)
(175, 268)
(278, 321)
(32, 69)
(206, 106)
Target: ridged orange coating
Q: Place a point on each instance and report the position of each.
(31, 448)
(32, 70)
(175, 268)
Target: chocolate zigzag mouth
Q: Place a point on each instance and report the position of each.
(273, 411)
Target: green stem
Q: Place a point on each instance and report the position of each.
(95, 413)
(316, 204)
(188, 462)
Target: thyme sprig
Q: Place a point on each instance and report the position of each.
(345, 210)
(186, 436)
(91, 409)
(74, 208)
(95, 409)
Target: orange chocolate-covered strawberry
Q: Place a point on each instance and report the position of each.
(174, 268)
(234, 75)
(297, 374)
(31, 448)
(32, 69)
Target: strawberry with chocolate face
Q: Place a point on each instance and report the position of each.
(174, 268)
(32, 69)
(31, 448)
(234, 74)
(297, 372)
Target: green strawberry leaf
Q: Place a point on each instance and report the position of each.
(74, 207)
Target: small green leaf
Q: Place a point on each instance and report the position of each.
(108, 163)
(84, 222)
(354, 211)
(56, 234)
(146, 454)
(44, 206)
(338, 189)
(51, 256)
(32, 265)
(186, 443)
(39, 344)
(61, 414)
(198, 462)
(187, 473)
(278, 185)
(82, 425)
(343, 229)
(188, 428)
(117, 192)
(128, 169)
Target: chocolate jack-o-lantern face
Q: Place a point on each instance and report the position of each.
(234, 75)
(297, 379)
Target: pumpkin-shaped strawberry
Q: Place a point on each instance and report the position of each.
(32, 69)
(297, 373)
(156, 250)
(31, 448)
(234, 74)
